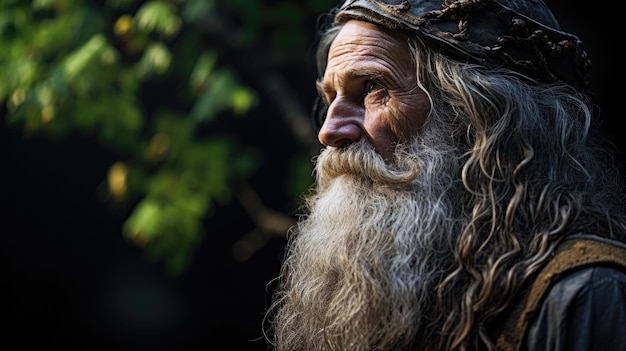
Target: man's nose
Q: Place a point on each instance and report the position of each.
(342, 124)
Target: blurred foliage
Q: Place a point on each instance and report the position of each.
(71, 66)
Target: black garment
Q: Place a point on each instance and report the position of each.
(585, 310)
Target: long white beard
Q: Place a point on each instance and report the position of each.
(362, 267)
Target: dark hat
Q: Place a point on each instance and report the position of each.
(522, 35)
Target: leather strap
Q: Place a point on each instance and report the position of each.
(572, 254)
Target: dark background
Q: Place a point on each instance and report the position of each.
(69, 278)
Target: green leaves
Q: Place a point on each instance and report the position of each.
(159, 17)
(81, 64)
(196, 175)
(141, 77)
(156, 60)
(167, 230)
(217, 91)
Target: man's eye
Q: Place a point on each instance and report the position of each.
(371, 87)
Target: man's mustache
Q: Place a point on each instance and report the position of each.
(360, 159)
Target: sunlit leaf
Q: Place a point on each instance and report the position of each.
(167, 231)
(156, 59)
(117, 180)
(96, 50)
(42, 4)
(242, 100)
(202, 70)
(17, 78)
(222, 92)
(123, 25)
(158, 16)
(143, 224)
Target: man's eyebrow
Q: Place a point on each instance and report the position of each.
(323, 87)
(362, 73)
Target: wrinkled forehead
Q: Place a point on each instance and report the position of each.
(375, 50)
(524, 37)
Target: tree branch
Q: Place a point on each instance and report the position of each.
(268, 223)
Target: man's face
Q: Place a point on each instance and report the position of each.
(371, 88)
(364, 262)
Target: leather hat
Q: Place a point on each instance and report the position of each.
(522, 35)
